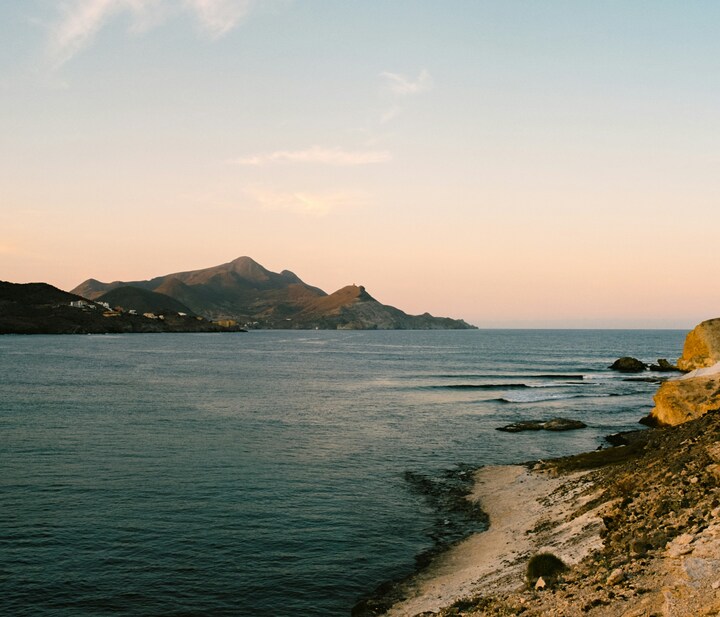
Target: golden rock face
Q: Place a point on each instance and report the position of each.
(680, 400)
(702, 346)
(692, 396)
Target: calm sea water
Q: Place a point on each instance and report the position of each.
(263, 474)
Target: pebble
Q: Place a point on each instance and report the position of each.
(616, 576)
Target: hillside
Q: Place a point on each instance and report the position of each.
(245, 291)
(39, 308)
(143, 301)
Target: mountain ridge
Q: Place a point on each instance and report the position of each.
(245, 291)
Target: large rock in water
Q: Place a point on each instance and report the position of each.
(626, 364)
(556, 424)
(702, 346)
(697, 392)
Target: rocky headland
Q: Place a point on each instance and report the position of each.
(631, 530)
(235, 296)
(255, 297)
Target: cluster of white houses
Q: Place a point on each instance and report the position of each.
(114, 312)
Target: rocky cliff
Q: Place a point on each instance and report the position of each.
(702, 346)
(697, 392)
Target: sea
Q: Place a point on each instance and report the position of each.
(266, 474)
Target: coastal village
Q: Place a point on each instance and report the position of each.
(116, 311)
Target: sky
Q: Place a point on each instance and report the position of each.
(512, 163)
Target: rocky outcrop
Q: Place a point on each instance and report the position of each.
(702, 346)
(680, 400)
(694, 394)
(663, 366)
(556, 424)
(626, 364)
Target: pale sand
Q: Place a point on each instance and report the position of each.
(529, 512)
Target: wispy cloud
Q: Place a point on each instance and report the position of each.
(317, 154)
(305, 203)
(220, 16)
(83, 19)
(403, 85)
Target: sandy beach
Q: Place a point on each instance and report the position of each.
(529, 511)
(638, 525)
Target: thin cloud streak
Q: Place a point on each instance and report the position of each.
(79, 27)
(83, 19)
(317, 154)
(404, 86)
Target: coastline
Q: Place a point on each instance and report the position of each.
(522, 505)
(638, 525)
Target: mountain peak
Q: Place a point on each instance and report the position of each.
(249, 268)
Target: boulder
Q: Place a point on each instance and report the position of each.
(616, 576)
(680, 400)
(626, 364)
(663, 366)
(702, 346)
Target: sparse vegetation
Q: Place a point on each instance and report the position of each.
(546, 565)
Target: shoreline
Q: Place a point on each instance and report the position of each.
(513, 536)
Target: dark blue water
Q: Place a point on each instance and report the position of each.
(262, 473)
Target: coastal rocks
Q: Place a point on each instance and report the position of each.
(702, 346)
(660, 552)
(680, 400)
(561, 424)
(556, 424)
(626, 364)
(663, 366)
(697, 392)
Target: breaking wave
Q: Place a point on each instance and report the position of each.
(553, 397)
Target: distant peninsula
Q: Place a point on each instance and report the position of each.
(39, 308)
(244, 293)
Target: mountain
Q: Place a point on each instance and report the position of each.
(39, 308)
(245, 291)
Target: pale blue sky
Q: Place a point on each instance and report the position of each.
(511, 163)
